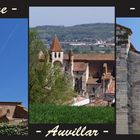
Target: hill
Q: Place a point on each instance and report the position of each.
(83, 32)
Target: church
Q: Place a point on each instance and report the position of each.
(91, 74)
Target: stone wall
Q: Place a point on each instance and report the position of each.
(134, 92)
(127, 84)
(122, 46)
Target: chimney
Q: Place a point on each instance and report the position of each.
(105, 68)
(71, 57)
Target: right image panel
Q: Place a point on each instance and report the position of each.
(128, 76)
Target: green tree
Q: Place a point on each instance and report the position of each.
(37, 70)
(59, 87)
(47, 83)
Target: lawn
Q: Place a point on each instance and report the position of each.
(44, 113)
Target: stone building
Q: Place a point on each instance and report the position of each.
(92, 73)
(127, 83)
(12, 112)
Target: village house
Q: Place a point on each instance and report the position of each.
(12, 112)
(91, 74)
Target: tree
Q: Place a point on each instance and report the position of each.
(37, 70)
(59, 90)
(47, 83)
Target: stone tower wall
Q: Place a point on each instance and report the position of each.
(122, 48)
(127, 84)
(57, 56)
(134, 92)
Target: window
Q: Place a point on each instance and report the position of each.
(8, 110)
(59, 54)
(55, 54)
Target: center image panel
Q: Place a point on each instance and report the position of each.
(72, 65)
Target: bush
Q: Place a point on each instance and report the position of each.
(13, 129)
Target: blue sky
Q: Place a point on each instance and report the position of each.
(134, 25)
(14, 60)
(70, 15)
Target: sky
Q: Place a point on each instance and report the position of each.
(134, 25)
(14, 60)
(69, 16)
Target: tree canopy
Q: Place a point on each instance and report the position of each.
(47, 82)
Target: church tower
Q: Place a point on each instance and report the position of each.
(56, 52)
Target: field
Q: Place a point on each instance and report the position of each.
(44, 113)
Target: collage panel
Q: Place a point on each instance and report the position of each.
(14, 76)
(72, 65)
(127, 75)
(69, 69)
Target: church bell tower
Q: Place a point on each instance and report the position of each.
(56, 52)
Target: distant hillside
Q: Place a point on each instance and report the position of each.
(80, 33)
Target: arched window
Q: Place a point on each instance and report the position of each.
(55, 55)
(8, 110)
(93, 89)
(59, 54)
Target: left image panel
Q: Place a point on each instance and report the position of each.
(14, 76)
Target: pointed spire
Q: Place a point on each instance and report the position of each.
(56, 46)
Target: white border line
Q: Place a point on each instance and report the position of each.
(105, 131)
(38, 131)
(132, 8)
(14, 9)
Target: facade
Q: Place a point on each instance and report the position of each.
(12, 112)
(90, 73)
(127, 83)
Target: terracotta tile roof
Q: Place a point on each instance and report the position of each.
(107, 76)
(10, 103)
(92, 80)
(55, 46)
(91, 56)
(79, 66)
